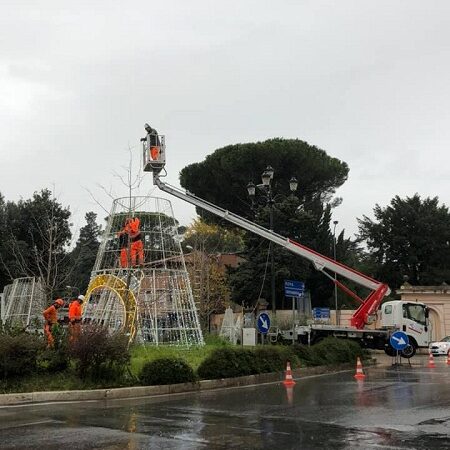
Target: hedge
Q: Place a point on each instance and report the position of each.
(166, 371)
(19, 354)
(236, 362)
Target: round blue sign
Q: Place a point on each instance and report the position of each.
(399, 340)
(263, 323)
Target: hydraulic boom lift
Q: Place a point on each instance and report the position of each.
(368, 306)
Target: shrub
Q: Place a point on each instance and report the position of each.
(57, 358)
(99, 354)
(235, 362)
(304, 353)
(166, 371)
(334, 351)
(19, 354)
(228, 362)
(273, 358)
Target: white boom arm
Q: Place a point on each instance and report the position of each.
(320, 262)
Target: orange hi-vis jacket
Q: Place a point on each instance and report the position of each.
(51, 315)
(133, 227)
(75, 311)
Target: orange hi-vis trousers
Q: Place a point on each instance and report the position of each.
(137, 253)
(49, 335)
(124, 257)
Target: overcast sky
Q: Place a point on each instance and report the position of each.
(367, 81)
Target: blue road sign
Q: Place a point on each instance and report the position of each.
(263, 323)
(293, 288)
(399, 340)
(321, 313)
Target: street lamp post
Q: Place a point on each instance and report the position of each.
(335, 277)
(267, 177)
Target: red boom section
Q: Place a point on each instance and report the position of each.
(370, 306)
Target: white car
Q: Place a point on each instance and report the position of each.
(441, 348)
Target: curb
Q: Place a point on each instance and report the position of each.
(153, 391)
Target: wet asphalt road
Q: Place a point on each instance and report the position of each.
(394, 408)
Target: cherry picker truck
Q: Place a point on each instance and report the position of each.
(409, 317)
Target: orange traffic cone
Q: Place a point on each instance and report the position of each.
(359, 375)
(431, 364)
(288, 380)
(448, 359)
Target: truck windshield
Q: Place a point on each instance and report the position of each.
(414, 312)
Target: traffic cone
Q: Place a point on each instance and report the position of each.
(431, 364)
(359, 375)
(288, 380)
(448, 359)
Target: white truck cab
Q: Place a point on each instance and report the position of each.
(409, 317)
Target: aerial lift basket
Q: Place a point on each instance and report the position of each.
(154, 153)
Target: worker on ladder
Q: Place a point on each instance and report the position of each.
(51, 319)
(124, 244)
(137, 247)
(130, 242)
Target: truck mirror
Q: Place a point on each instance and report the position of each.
(427, 313)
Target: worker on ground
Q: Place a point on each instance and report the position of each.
(123, 236)
(137, 247)
(75, 312)
(51, 319)
(153, 142)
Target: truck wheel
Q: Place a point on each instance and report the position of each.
(409, 351)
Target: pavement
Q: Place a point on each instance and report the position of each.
(395, 407)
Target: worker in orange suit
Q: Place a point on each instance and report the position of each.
(123, 236)
(51, 319)
(137, 247)
(75, 312)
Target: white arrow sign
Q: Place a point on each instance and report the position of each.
(399, 340)
(264, 323)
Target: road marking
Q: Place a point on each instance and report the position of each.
(30, 424)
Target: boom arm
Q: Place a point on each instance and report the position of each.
(154, 161)
(320, 262)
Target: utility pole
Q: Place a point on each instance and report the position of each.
(335, 276)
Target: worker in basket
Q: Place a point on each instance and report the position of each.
(153, 141)
(51, 319)
(75, 313)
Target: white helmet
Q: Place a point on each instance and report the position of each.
(81, 297)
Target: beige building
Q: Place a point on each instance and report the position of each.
(437, 298)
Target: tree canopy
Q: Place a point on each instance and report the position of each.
(212, 238)
(409, 239)
(35, 241)
(305, 217)
(223, 176)
(85, 252)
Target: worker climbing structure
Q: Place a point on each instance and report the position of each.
(139, 283)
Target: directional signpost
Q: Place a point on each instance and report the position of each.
(321, 313)
(399, 341)
(263, 323)
(293, 288)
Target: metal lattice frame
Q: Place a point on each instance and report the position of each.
(153, 302)
(24, 301)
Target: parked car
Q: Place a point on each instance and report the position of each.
(441, 347)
